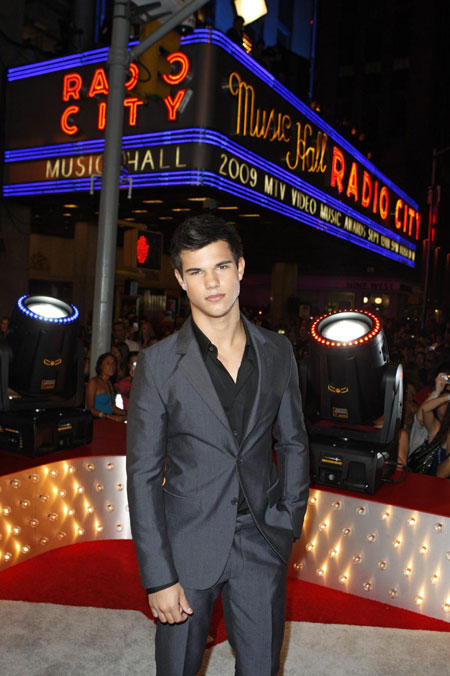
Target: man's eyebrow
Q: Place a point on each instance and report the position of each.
(216, 265)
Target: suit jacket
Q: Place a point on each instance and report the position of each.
(184, 464)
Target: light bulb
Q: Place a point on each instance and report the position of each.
(447, 556)
(26, 549)
(393, 593)
(24, 503)
(16, 530)
(371, 537)
(6, 511)
(34, 523)
(423, 549)
(337, 505)
(7, 556)
(418, 600)
(15, 483)
(361, 510)
(110, 507)
(43, 541)
(396, 544)
(80, 489)
(119, 527)
(310, 546)
(357, 559)
(446, 607)
(411, 521)
(435, 578)
(33, 477)
(343, 579)
(72, 469)
(313, 500)
(298, 565)
(60, 535)
(53, 473)
(385, 515)
(438, 527)
(63, 492)
(90, 466)
(109, 465)
(120, 487)
(320, 572)
(80, 531)
(98, 488)
(323, 526)
(43, 497)
(367, 586)
(52, 516)
(382, 565)
(407, 571)
(99, 528)
(332, 553)
(346, 531)
(90, 509)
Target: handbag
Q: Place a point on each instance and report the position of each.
(421, 460)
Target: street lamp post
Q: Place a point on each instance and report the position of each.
(119, 58)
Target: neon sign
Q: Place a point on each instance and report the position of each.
(73, 83)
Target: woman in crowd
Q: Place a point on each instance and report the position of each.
(146, 334)
(434, 414)
(124, 385)
(121, 352)
(100, 395)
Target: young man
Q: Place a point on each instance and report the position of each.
(210, 511)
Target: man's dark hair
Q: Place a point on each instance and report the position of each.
(199, 231)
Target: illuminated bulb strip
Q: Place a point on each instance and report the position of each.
(52, 320)
(358, 341)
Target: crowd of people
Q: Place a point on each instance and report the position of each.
(424, 441)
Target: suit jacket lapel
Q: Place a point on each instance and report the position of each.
(263, 362)
(193, 367)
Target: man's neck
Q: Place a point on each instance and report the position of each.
(222, 331)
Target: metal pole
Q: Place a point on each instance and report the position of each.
(109, 196)
(118, 59)
(174, 21)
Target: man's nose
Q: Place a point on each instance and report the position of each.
(211, 279)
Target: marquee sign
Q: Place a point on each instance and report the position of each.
(227, 123)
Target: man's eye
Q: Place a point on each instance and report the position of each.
(223, 267)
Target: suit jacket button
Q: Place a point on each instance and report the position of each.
(234, 501)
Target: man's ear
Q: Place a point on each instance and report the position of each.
(180, 279)
(241, 268)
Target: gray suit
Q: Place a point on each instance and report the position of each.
(184, 527)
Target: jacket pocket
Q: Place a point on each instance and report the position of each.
(178, 504)
(274, 493)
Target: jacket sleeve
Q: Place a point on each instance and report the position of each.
(291, 446)
(146, 451)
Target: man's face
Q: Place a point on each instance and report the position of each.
(119, 333)
(211, 279)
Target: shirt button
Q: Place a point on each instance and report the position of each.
(235, 433)
(234, 501)
(211, 348)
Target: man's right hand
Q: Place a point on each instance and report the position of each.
(170, 605)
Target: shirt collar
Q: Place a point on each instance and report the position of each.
(204, 342)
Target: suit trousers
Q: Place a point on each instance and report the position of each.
(253, 588)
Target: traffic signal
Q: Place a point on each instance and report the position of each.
(142, 249)
(153, 63)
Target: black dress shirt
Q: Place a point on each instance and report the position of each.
(237, 398)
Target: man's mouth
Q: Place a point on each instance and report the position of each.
(215, 297)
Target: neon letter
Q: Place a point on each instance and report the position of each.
(337, 169)
(352, 187)
(398, 206)
(173, 104)
(99, 84)
(181, 58)
(132, 102)
(417, 224)
(101, 121)
(65, 126)
(366, 192)
(384, 202)
(132, 82)
(71, 86)
(411, 214)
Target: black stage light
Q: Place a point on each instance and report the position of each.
(353, 401)
(42, 384)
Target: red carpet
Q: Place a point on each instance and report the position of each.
(105, 575)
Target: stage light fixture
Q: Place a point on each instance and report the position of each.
(41, 378)
(353, 400)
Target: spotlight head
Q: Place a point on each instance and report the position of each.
(348, 357)
(41, 356)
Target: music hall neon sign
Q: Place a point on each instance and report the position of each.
(73, 84)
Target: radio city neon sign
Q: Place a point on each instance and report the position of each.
(368, 192)
(73, 84)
